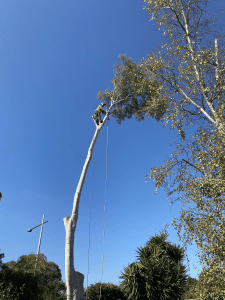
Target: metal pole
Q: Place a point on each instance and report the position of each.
(39, 243)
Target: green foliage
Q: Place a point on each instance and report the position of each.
(1, 257)
(10, 291)
(159, 272)
(109, 291)
(134, 286)
(209, 286)
(18, 285)
(183, 80)
(192, 60)
(18, 278)
(9, 294)
(199, 181)
(135, 91)
(189, 289)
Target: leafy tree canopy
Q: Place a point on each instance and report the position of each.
(182, 81)
(46, 284)
(12, 286)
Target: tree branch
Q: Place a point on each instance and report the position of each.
(195, 104)
(217, 71)
(193, 166)
(200, 80)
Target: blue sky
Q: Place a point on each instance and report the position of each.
(54, 58)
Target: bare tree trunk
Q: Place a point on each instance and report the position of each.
(74, 280)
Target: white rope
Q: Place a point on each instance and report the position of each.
(104, 210)
(104, 219)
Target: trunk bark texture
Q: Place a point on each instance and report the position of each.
(74, 280)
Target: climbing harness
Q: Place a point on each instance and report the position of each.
(104, 218)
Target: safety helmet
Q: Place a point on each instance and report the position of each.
(102, 104)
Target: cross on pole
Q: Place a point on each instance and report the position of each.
(39, 244)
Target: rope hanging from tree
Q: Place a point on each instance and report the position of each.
(104, 217)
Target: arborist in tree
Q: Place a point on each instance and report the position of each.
(97, 115)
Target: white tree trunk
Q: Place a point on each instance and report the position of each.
(74, 280)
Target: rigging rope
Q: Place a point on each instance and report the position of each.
(104, 209)
(104, 218)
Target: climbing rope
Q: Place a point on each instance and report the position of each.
(104, 209)
(104, 219)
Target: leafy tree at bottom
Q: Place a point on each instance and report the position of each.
(17, 279)
(189, 290)
(159, 273)
(109, 291)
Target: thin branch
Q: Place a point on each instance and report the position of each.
(199, 107)
(176, 86)
(193, 166)
(191, 112)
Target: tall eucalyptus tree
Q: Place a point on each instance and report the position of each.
(74, 279)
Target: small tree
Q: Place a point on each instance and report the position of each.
(159, 273)
(109, 291)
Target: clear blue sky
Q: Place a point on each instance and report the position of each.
(54, 58)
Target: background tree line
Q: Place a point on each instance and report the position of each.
(159, 273)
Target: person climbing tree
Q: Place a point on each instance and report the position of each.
(97, 115)
(75, 279)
